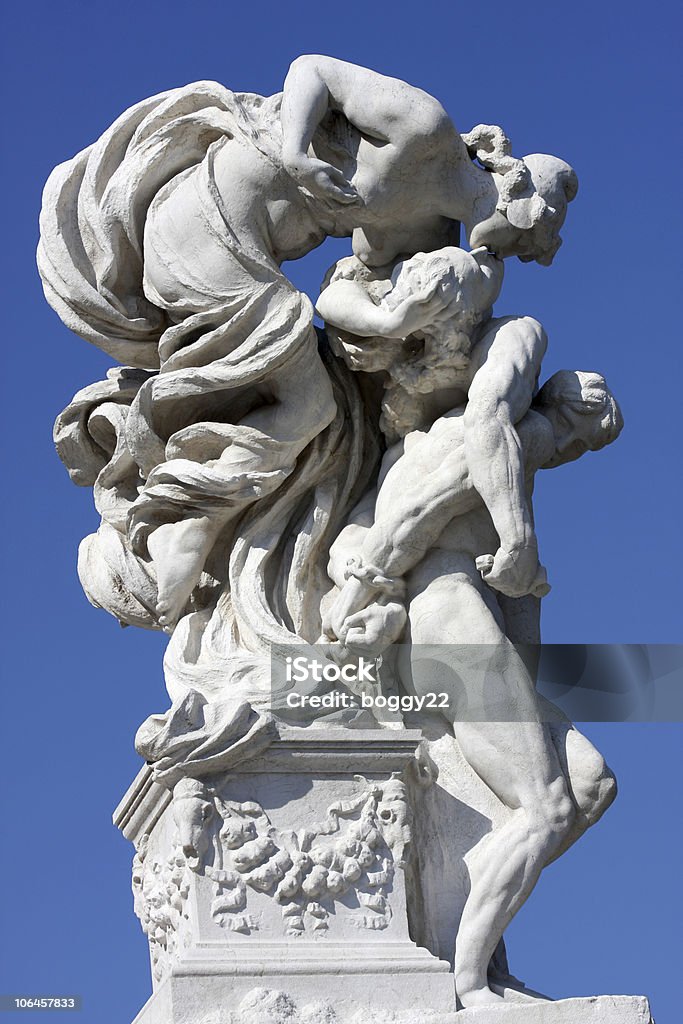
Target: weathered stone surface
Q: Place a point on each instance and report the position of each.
(177, 1003)
(595, 1010)
(290, 872)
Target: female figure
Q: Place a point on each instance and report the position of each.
(162, 244)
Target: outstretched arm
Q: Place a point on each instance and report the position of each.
(499, 396)
(382, 108)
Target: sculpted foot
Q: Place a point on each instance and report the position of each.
(513, 991)
(479, 997)
(179, 551)
(169, 610)
(473, 990)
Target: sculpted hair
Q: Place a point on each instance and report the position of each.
(533, 192)
(452, 278)
(489, 144)
(456, 304)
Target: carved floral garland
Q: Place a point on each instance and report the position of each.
(354, 849)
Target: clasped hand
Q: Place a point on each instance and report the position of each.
(515, 573)
(322, 179)
(362, 624)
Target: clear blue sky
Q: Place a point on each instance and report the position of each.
(593, 82)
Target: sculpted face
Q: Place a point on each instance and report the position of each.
(497, 234)
(542, 214)
(575, 433)
(582, 412)
(538, 243)
(527, 223)
(192, 811)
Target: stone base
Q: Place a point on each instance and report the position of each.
(287, 873)
(595, 1010)
(344, 1000)
(310, 998)
(277, 893)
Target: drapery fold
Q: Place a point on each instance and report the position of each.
(200, 351)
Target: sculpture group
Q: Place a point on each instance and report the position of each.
(263, 483)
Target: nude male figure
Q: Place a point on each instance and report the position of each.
(428, 528)
(495, 381)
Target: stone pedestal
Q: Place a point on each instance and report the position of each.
(286, 875)
(594, 1010)
(181, 999)
(277, 894)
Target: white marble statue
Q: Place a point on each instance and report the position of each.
(162, 243)
(262, 483)
(426, 526)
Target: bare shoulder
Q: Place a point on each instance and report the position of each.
(505, 339)
(367, 97)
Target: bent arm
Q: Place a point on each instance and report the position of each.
(347, 305)
(429, 487)
(421, 493)
(383, 108)
(414, 506)
(499, 396)
(422, 490)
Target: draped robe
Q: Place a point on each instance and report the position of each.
(197, 352)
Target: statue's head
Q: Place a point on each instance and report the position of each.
(532, 198)
(460, 289)
(455, 280)
(582, 411)
(193, 809)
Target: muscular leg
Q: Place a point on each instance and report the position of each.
(304, 405)
(518, 762)
(179, 551)
(592, 786)
(516, 758)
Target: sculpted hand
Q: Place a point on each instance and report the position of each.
(352, 598)
(515, 573)
(370, 631)
(322, 179)
(418, 309)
